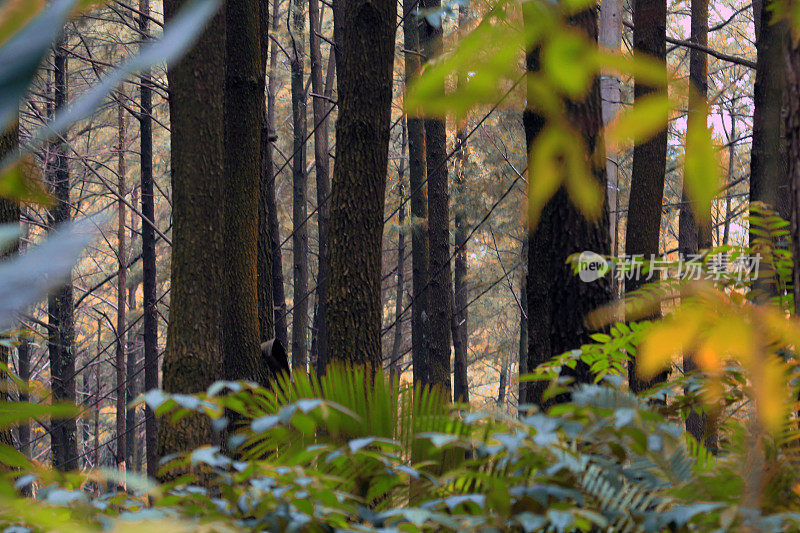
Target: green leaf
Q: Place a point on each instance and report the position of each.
(648, 116)
(15, 413)
(702, 175)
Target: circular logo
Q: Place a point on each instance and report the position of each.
(592, 266)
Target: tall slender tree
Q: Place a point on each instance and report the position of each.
(364, 33)
(122, 280)
(61, 342)
(266, 307)
(150, 326)
(560, 298)
(649, 161)
(321, 106)
(268, 184)
(419, 203)
(299, 190)
(192, 358)
(459, 325)
(394, 361)
(440, 282)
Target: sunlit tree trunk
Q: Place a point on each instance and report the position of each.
(610, 37)
(364, 33)
(394, 361)
(649, 162)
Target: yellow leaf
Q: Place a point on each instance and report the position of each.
(670, 337)
(20, 182)
(545, 169)
(583, 188)
(648, 116)
(702, 171)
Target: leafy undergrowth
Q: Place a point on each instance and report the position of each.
(339, 453)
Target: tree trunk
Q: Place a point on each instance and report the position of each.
(61, 343)
(364, 33)
(440, 282)
(192, 358)
(610, 37)
(768, 174)
(793, 154)
(122, 297)
(525, 389)
(24, 362)
(459, 324)
(276, 263)
(131, 379)
(299, 192)
(649, 163)
(394, 361)
(692, 237)
(560, 298)
(150, 327)
(419, 205)
(9, 214)
(266, 307)
(243, 104)
(321, 166)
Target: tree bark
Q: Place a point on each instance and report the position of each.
(419, 204)
(649, 163)
(560, 298)
(192, 358)
(768, 164)
(440, 282)
(9, 214)
(266, 307)
(122, 279)
(459, 324)
(792, 118)
(61, 342)
(299, 192)
(525, 389)
(150, 326)
(394, 361)
(131, 379)
(321, 165)
(276, 263)
(364, 32)
(242, 112)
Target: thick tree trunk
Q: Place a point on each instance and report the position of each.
(299, 193)
(266, 307)
(278, 294)
(150, 327)
(649, 162)
(192, 358)
(242, 111)
(61, 343)
(560, 298)
(321, 166)
(768, 174)
(419, 204)
(122, 297)
(364, 32)
(440, 283)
